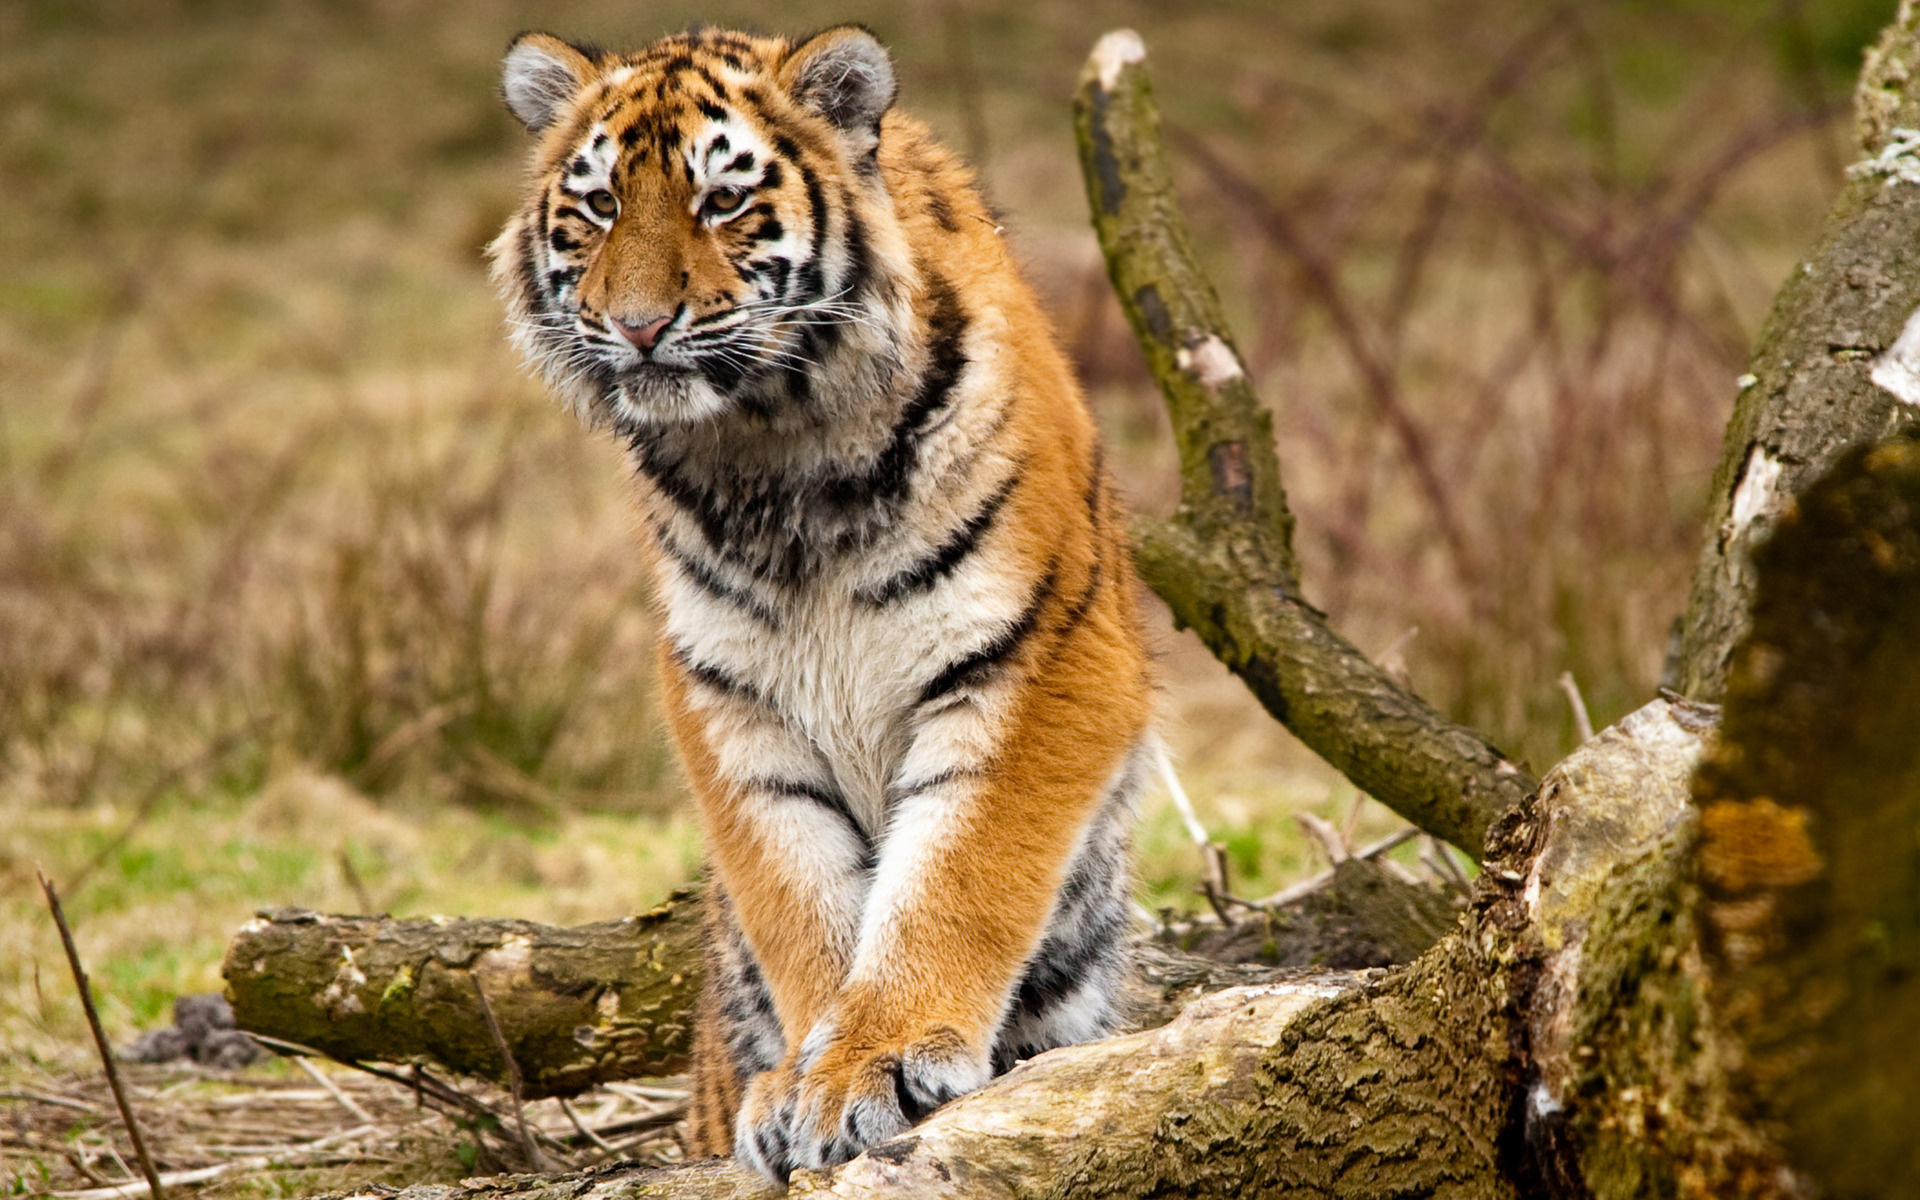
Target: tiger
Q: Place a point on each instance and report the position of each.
(900, 650)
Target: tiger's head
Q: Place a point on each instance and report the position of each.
(706, 223)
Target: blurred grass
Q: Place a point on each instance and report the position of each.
(294, 563)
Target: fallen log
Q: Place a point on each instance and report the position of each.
(613, 1000)
(581, 1006)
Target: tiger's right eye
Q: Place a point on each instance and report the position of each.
(603, 203)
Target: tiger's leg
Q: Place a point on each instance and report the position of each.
(789, 873)
(737, 1034)
(971, 870)
(1073, 988)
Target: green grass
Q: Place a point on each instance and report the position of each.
(153, 917)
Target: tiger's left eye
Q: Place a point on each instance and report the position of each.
(723, 200)
(603, 203)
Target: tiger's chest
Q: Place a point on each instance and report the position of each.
(828, 666)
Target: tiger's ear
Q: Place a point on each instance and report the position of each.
(845, 74)
(540, 75)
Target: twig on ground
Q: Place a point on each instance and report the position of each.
(585, 1132)
(1323, 832)
(100, 1037)
(1213, 856)
(640, 1091)
(47, 1098)
(425, 1087)
(78, 1158)
(1307, 887)
(534, 1158)
(333, 1089)
(205, 1174)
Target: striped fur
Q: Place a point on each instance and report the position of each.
(899, 643)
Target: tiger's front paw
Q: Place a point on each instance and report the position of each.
(842, 1097)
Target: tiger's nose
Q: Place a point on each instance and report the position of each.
(645, 333)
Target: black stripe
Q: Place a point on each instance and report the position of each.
(888, 477)
(825, 797)
(948, 555)
(908, 790)
(941, 211)
(772, 177)
(715, 678)
(711, 583)
(1059, 971)
(723, 371)
(810, 284)
(713, 112)
(973, 668)
(742, 161)
(781, 269)
(1082, 604)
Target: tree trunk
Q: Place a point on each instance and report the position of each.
(1810, 853)
(1837, 363)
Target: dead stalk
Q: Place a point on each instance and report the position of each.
(536, 1159)
(100, 1037)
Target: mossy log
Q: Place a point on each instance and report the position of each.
(581, 1006)
(1810, 847)
(1224, 562)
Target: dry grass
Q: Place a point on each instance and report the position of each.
(307, 596)
(276, 1131)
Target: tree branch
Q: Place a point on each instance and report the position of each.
(1837, 363)
(1224, 563)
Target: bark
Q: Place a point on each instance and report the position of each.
(1224, 562)
(613, 1000)
(1810, 856)
(1831, 369)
